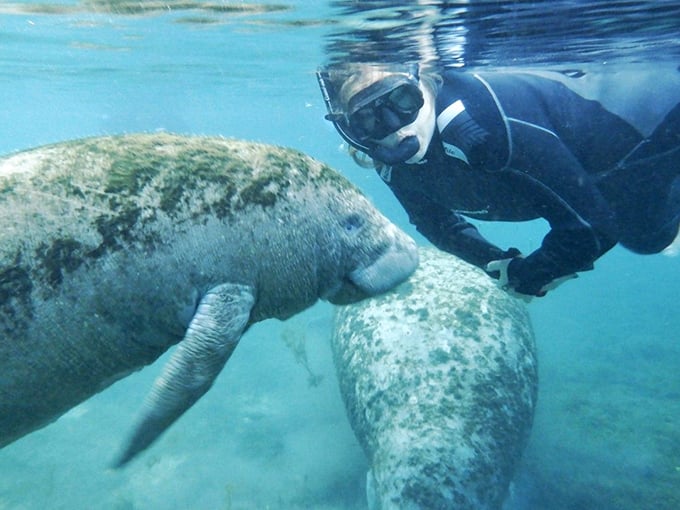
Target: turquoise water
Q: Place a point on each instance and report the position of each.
(606, 434)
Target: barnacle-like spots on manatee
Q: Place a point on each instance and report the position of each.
(439, 356)
(15, 296)
(59, 257)
(421, 313)
(469, 318)
(194, 168)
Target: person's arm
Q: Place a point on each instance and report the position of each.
(449, 231)
(545, 172)
(582, 225)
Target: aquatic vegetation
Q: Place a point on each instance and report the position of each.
(295, 339)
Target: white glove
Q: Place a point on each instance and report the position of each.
(502, 267)
(503, 282)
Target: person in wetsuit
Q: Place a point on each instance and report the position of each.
(600, 163)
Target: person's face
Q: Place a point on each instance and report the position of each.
(421, 128)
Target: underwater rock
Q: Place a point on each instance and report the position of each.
(113, 249)
(439, 379)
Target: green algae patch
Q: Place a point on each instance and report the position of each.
(261, 192)
(16, 286)
(15, 283)
(179, 168)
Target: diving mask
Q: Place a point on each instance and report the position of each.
(376, 111)
(384, 107)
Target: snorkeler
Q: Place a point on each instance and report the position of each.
(599, 160)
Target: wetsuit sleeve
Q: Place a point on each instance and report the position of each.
(449, 231)
(546, 173)
(582, 225)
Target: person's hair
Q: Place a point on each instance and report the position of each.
(364, 160)
(358, 78)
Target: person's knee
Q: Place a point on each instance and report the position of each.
(654, 226)
(652, 241)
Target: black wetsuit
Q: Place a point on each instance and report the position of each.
(520, 146)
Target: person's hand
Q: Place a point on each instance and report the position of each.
(503, 281)
(501, 269)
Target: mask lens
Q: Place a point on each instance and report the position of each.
(405, 99)
(387, 113)
(364, 122)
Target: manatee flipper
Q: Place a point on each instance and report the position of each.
(212, 335)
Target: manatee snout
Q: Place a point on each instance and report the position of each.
(394, 266)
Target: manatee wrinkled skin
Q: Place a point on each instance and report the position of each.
(439, 379)
(113, 249)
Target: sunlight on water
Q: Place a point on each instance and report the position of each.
(546, 33)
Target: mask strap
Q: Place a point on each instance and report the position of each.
(337, 118)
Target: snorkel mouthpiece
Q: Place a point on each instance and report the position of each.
(407, 148)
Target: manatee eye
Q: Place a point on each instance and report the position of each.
(352, 222)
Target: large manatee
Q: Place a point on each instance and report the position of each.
(113, 249)
(439, 380)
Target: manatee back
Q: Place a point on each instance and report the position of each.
(439, 379)
(102, 192)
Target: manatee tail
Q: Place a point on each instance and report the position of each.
(212, 335)
(372, 498)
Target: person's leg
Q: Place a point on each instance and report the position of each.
(644, 190)
(665, 137)
(673, 249)
(645, 196)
